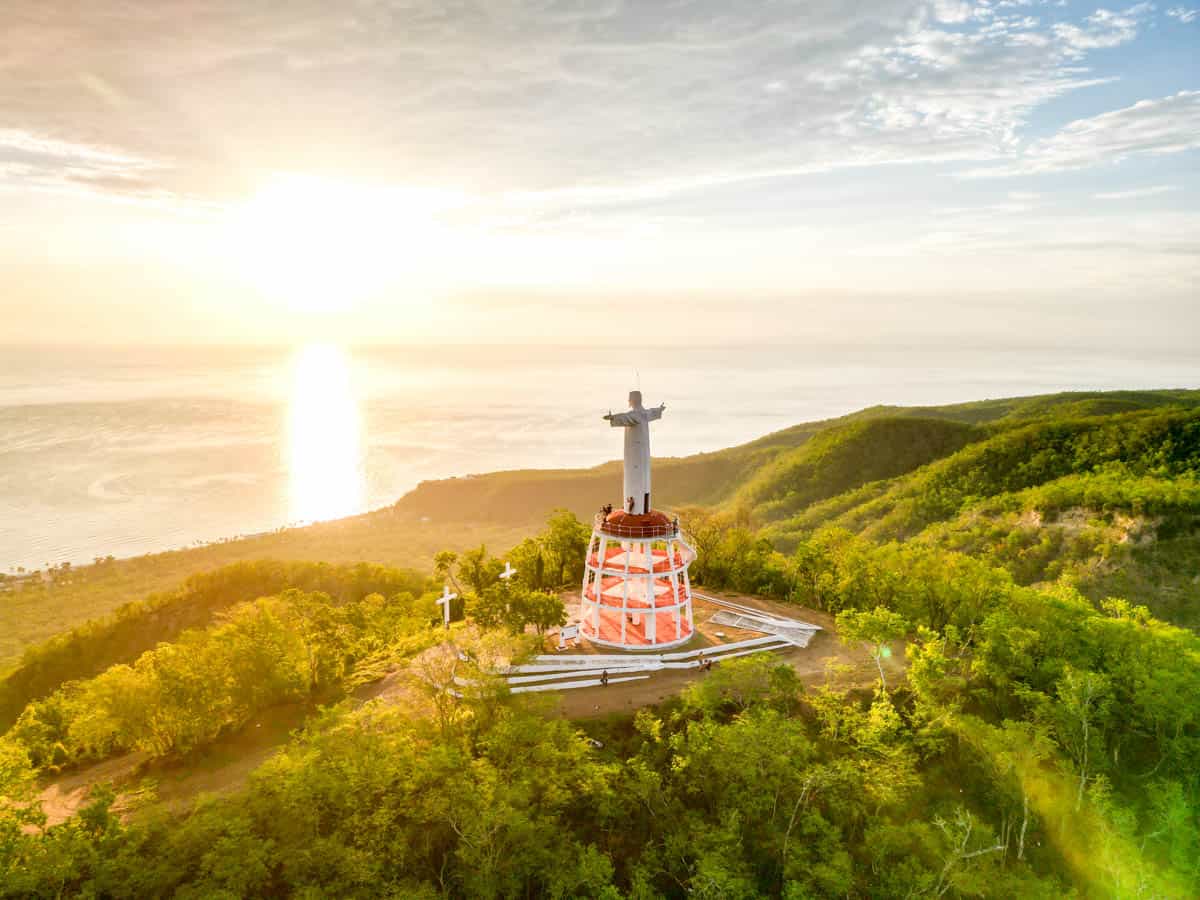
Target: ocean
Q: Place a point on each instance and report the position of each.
(125, 451)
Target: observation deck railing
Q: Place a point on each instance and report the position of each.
(670, 530)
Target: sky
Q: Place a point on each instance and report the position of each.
(984, 172)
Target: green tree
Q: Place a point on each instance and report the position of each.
(444, 563)
(876, 628)
(1079, 717)
(565, 540)
(479, 570)
(490, 607)
(541, 609)
(1015, 752)
(740, 683)
(530, 562)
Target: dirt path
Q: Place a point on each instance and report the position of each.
(220, 768)
(225, 766)
(63, 797)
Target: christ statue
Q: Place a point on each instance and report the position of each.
(636, 423)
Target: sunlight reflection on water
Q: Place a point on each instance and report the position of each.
(325, 467)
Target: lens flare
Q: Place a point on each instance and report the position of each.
(324, 436)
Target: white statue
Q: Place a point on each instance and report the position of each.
(636, 423)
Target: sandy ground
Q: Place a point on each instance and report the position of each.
(225, 766)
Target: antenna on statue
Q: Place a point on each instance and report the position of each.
(637, 378)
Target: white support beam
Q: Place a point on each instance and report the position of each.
(752, 611)
(611, 660)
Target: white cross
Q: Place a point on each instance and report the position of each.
(444, 602)
(508, 572)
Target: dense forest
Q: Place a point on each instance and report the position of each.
(1034, 560)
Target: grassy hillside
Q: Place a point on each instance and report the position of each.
(844, 457)
(91, 648)
(874, 443)
(853, 475)
(1110, 502)
(1163, 444)
(32, 611)
(526, 496)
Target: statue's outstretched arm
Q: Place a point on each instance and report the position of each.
(621, 420)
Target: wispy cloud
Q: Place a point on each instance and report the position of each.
(1102, 29)
(30, 160)
(1148, 127)
(1183, 14)
(1136, 192)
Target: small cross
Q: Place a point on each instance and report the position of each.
(508, 572)
(444, 602)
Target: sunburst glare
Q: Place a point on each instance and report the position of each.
(324, 436)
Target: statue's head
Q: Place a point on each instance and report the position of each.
(635, 399)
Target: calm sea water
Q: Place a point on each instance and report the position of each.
(128, 451)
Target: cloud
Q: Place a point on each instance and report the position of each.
(584, 102)
(1184, 15)
(30, 160)
(1102, 29)
(965, 92)
(1135, 192)
(1149, 127)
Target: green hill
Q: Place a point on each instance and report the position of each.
(527, 496)
(842, 478)
(844, 457)
(1109, 501)
(776, 474)
(34, 609)
(1166, 444)
(91, 648)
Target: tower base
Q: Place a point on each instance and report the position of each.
(636, 591)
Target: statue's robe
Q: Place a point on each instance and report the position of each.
(636, 423)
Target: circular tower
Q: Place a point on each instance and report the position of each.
(636, 590)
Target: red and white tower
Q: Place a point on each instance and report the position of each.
(636, 590)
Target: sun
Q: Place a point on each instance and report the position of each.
(320, 245)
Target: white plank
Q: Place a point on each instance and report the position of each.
(572, 685)
(682, 660)
(590, 673)
(740, 607)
